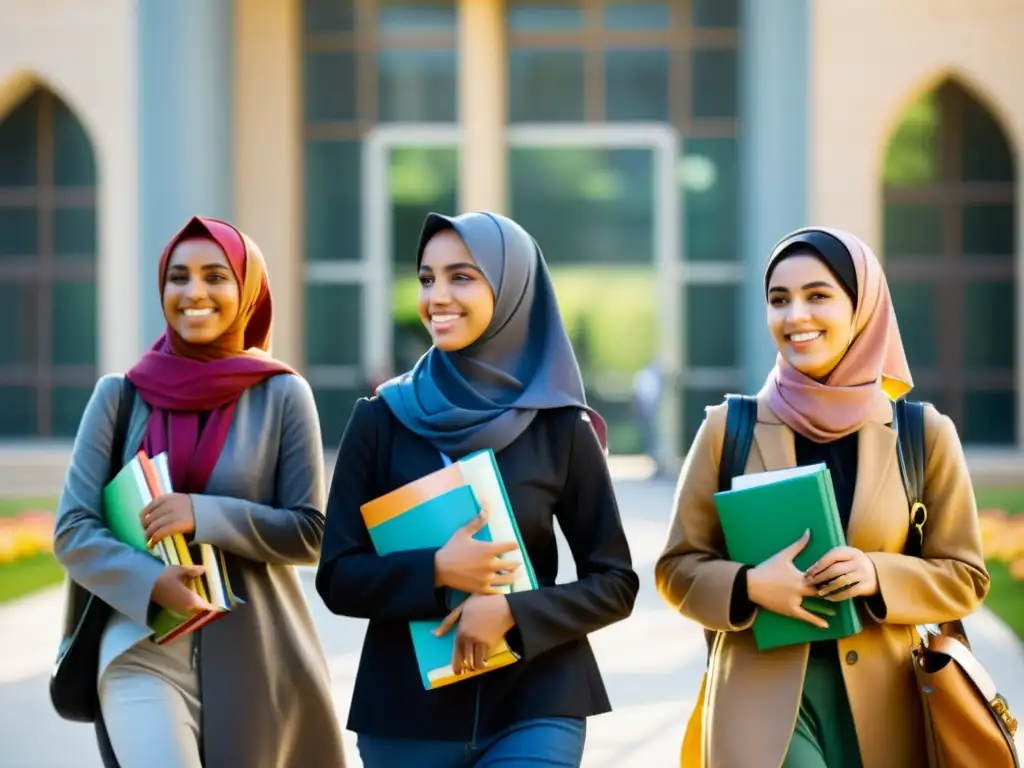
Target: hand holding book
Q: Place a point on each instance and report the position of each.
(172, 590)
(483, 621)
(843, 573)
(779, 586)
(168, 515)
(469, 565)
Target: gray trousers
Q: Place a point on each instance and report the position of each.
(149, 696)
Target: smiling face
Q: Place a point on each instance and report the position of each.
(201, 295)
(456, 302)
(810, 316)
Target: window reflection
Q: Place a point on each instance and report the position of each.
(418, 86)
(543, 15)
(545, 86)
(636, 84)
(585, 205)
(332, 204)
(709, 181)
(715, 84)
(423, 16)
(635, 14)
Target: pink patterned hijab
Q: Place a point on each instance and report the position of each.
(873, 371)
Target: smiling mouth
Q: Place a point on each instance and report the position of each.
(803, 337)
(206, 312)
(444, 321)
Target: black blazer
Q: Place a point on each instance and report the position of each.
(555, 469)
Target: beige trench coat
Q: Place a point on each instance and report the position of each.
(752, 698)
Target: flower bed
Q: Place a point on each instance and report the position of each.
(26, 535)
(1002, 538)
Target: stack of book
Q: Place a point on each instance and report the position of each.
(140, 481)
(424, 514)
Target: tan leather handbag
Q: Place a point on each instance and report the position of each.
(968, 724)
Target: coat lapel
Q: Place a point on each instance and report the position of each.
(775, 446)
(876, 457)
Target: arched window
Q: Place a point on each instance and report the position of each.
(47, 269)
(950, 242)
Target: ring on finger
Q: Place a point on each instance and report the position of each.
(832, 585)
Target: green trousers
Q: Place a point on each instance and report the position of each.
(824, 736)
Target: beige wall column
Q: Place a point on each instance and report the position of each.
(268, 157)
(483, 183)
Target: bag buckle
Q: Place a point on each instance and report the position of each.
(1002, 710)
(918, 517)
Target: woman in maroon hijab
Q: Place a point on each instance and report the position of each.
(246, 462)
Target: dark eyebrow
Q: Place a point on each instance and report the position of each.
(454, 267)
(207, 267)
(805, 287)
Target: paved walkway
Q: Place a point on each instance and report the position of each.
(652, 664)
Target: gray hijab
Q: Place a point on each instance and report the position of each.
(486, 395)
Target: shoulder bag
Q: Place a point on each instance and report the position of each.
(73, 679)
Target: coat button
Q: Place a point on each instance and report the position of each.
(851, 657)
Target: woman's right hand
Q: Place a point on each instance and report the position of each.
(171, 590)
(779, 586)
(473, 566)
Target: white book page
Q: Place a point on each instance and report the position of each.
(479, 474)
(757, 479)
(163, 471)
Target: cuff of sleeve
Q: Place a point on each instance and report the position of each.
(875, 605)
(518, 636)
(741, 607)
(204, 512)
(888, 569)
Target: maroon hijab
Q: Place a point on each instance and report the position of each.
(181, 381)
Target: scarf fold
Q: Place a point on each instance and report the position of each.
(487, 394)
(192, 390)
(872, 372)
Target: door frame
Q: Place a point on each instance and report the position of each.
(668, 261)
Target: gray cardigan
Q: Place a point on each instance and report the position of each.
(264, 508)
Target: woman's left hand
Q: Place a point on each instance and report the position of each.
(483, 622)
(168, 515)
(843, 572)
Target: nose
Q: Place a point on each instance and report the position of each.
(196, 289)
(439, 294)
(799, 310)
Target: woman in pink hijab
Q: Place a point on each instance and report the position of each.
(852, 701)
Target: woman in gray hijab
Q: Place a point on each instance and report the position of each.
(501, 374)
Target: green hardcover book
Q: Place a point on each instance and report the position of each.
(124, 498)
(766, 512)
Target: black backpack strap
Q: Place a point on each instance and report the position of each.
(908, 420)
(124, 415)
(740, 419)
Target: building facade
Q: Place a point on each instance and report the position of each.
(655, 149)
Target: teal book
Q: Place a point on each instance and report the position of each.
(424, 514)
(766, 512)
